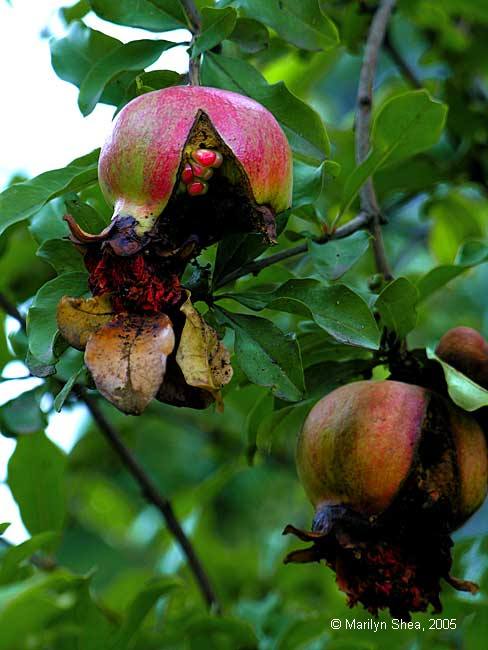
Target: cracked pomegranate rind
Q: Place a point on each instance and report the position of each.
(392, 469)
(127, 359)
(204, 361)
(79, 318)
(191, 160)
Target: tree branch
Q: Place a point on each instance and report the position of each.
(368, 200)
(358, 223)
(151, 494)
(195, 24)
(148, 488)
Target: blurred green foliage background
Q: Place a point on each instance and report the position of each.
(115, 561)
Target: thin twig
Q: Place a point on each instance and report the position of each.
(152, 495)
(148, 488)
(401, 63)
(195, 24)
(10, 309)
(358, 223)
(368, 200)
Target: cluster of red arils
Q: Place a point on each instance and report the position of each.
(199, 171)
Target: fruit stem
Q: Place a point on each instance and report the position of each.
(192, 15)
(368, 199)
(194, 25)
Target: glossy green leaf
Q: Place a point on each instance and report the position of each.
(309, 180)
(337, 256)
(405, 125)
(22, 200)
(36, 476)
(22, 415)
(337, 309)
(63, 394)
(267, 355)
(301, 23)
(217, 25)
(74, 55)
(397, 305)
(303, 127)
(62, 256)
(462, 390)
(153, 15)
(41, 319)
(250, 35)
(129, 56)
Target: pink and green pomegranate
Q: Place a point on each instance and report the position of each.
(185, 166)
(391, 470)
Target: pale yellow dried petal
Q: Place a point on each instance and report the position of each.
(79, 318)
(203, 359)
(127, 359)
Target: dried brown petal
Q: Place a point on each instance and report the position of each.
(175, 391)
(127, 359)
(203, 359)
(78, 318)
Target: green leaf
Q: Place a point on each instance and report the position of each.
(397, 305)
(22, 200)
(303, 127)
(36, 476)
(41, 319)
(462, 390)
(405, 125)
(250, 35)
(61, 255)
(266, 355)
(140, 607)
(302, 23)
(63, 394)
(153, 15)
(74, 55)
(84, 215)
(471, 254)
(337, 256)
(235, 251)
(308, 180)
(207, 631)
(22, 415)
(217, 25)
(30, 607)
(129, 56)
(75, 12)
(19, 554)
(337, 309)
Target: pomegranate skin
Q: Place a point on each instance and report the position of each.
(344, 457)
(466, 350)
(360, 443)
(391, 469)
(140, 161)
